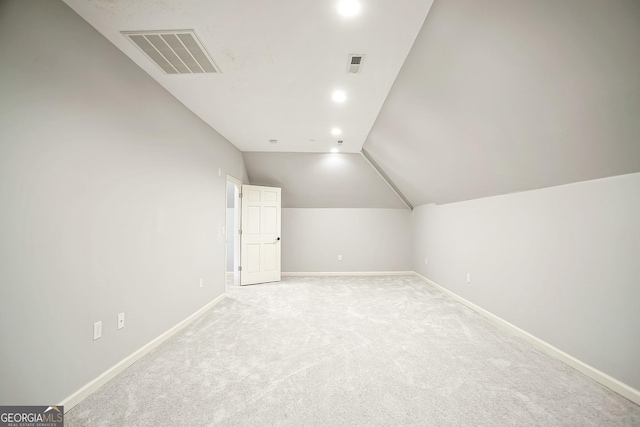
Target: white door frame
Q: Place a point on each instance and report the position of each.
(234, 234)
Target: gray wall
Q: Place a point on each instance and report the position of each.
(111, 202)
(367, 239)
(562, 263)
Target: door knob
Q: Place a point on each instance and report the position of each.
(278, 238)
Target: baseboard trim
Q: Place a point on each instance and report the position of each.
(606, 380)
(86, 390)
(347, 273)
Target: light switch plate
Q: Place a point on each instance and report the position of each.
(97, 330)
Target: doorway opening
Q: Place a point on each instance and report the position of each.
(232, 233)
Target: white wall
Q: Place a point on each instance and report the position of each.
(562, 263)
(111, 202)
(367, 239)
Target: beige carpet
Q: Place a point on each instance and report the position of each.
(349, 351)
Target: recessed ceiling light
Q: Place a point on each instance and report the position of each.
(335, 131)
(339, 96)
(334, 150)
(273, 141)
(349, 8)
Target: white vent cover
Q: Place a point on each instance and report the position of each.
(355, 63)
(176, 51)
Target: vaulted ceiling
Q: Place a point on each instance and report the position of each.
(322, 180)
(457, 100)
(502, 96)
(280, 63)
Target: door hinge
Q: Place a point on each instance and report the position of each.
(239, 268)
(240, 231)
(240, 195)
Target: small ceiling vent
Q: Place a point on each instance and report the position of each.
(176, 51)
(355, 63)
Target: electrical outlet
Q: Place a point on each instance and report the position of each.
(97, 330)
(426, 261)
(219, 172)
(339, 257)
(120, 320)
(201, 282)
(468, 277)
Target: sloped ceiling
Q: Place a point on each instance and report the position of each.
(313, 180)
(494, 97)
(501, 96)
(280, 61)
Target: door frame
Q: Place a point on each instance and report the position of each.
(237, 247)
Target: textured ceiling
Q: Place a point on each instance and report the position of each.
(280, 62)
(312, 180)
(502, 96)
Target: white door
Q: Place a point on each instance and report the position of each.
(260, 235)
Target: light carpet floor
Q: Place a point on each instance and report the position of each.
(349, 351)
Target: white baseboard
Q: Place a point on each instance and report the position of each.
(606, 380)
(110, 373)
(347, 273)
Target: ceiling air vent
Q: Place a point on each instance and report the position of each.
(355, 63)
(176, 51)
